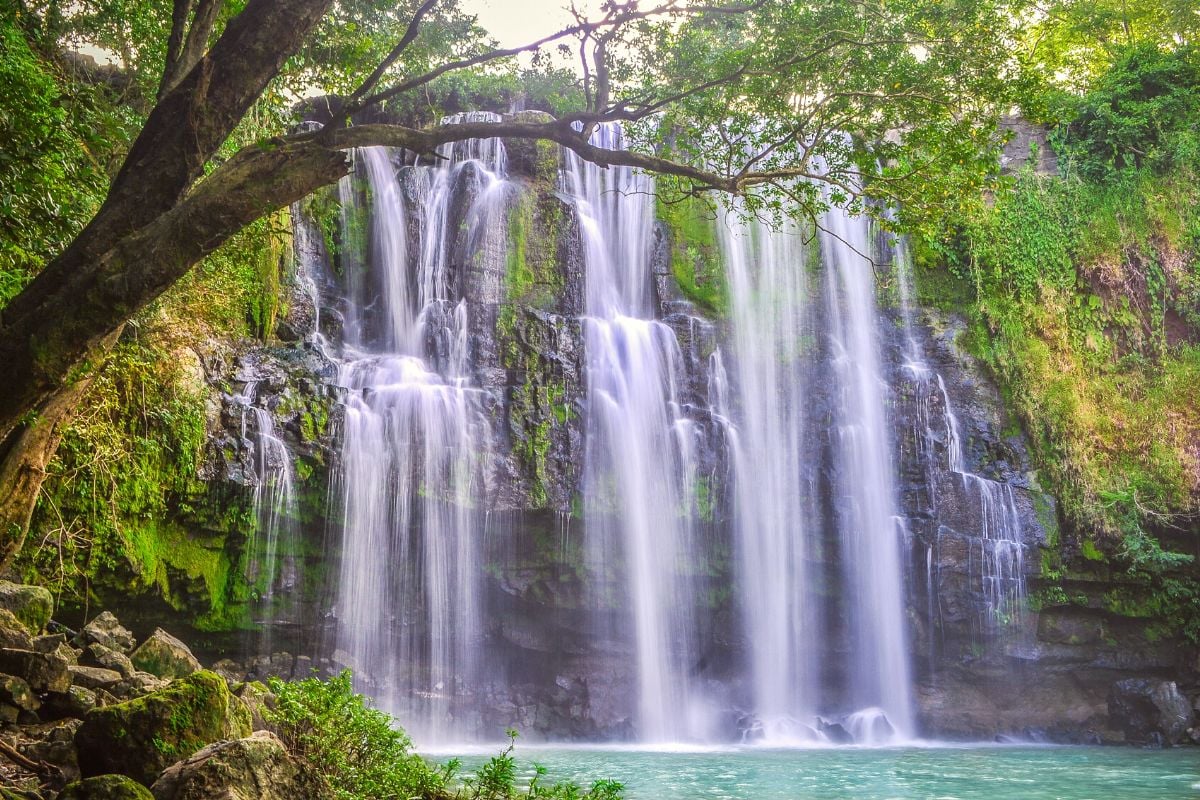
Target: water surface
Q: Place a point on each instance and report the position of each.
(944, 773)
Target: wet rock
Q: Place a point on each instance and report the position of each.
(106, 787)
(94, 677)
(98, 655)
(142, 737)
(165, 656)
(13, 633)
(107, 630)
(254, 768)
(31, 605)
(230, 670)
(1149, 711)
(257, 698)
(53, 743)
(44, 672)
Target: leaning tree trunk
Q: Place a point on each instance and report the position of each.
(55, 334)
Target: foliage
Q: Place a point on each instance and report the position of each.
(1083, 296)
(880, 108)
(51, 175)
(1140, 113)
(356, 748)
(1069, 43)
(363, 756)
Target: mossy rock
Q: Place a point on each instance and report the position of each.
(31, 605)
(165, 656)
(256, 768)
(106, 787)
(142, 737)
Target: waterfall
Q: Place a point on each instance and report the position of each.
(415, 442)
(639, 472)
(774, 515)
(273, 576)
(998, 561)
(867, 506)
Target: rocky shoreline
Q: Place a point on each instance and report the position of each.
(95, 715)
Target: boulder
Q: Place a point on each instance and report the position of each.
(16, 692)
(1149, 711)
(138, 684)
(106, 630)
(94, 677)
(53, 743)
(100, 656)
(165, 656)
(31, 605)
(44, 672)
(75, 702)
(142, 737)
(13, 633)
(257, 697)
(256, 768)
(230, 670)
(106, 787)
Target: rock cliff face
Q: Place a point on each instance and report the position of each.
(992, 657)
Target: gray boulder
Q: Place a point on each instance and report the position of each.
(1149, 711)
(13, 633)
(106, 630)
(142, 737)
(99, 655)
(94, 677)
(165, 656)
(256, 768)
(44, 672)
(16, 692)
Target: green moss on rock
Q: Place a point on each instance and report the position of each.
(106, 787)
(142, 737)
(31, 605)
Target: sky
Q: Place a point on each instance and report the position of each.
(518, 22)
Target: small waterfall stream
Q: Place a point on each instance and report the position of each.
(271, 568)
(998, 562)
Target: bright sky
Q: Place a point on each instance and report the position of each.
(518, 22)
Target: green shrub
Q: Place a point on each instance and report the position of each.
(355, 747)
(364, 756)
(1141, 113)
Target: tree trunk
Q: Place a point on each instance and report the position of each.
(81, 321)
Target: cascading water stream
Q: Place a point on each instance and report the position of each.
(866, 505)
(999, 561)
(639, 461)
(774, 516)
(415, 444)
(273, 575)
